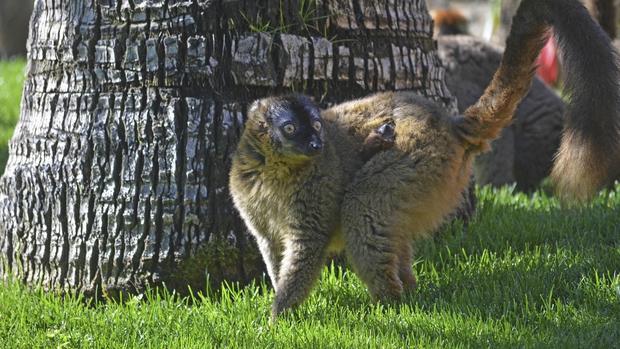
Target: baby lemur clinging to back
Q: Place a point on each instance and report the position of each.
(302, 187)
(449, 21)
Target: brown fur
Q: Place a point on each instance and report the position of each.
(263, 181)
(580, 170)
(402, 193)
(380, 139)
(485, 120)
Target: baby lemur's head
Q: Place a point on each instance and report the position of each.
(291, 124)
(450, 21)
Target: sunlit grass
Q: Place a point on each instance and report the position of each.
(526, 273)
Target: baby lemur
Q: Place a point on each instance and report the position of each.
(449, 21)
(304, 184)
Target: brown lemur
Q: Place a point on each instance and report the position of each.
(288, 185)
(300, 184)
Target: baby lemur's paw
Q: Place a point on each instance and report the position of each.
(379, 139)
(387, 132)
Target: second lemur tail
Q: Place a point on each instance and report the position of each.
(589, 155)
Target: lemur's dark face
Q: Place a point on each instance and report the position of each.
(294, 124)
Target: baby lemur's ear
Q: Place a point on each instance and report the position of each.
(258, 111)
(257, 107)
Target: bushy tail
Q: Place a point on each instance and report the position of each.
(589, 155)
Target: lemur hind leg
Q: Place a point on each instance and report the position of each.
(405, 267)
(372, 253)
(377, 248)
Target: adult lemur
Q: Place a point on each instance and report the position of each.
(302, 187)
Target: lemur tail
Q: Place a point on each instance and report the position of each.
(589, 155)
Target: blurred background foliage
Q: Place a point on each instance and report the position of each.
(11, 81)
(14, 19)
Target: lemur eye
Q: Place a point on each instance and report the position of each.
(317, 125)
(289, 129)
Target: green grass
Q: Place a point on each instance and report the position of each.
(527, 273)
(11, 82)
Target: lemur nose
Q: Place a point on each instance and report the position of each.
(316, 145)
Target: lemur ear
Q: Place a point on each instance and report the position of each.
(257, 107)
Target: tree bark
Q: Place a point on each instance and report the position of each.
(117, 177)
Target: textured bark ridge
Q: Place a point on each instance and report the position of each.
(117, 176)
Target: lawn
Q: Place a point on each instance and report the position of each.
(11, 81)
(526, 273)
